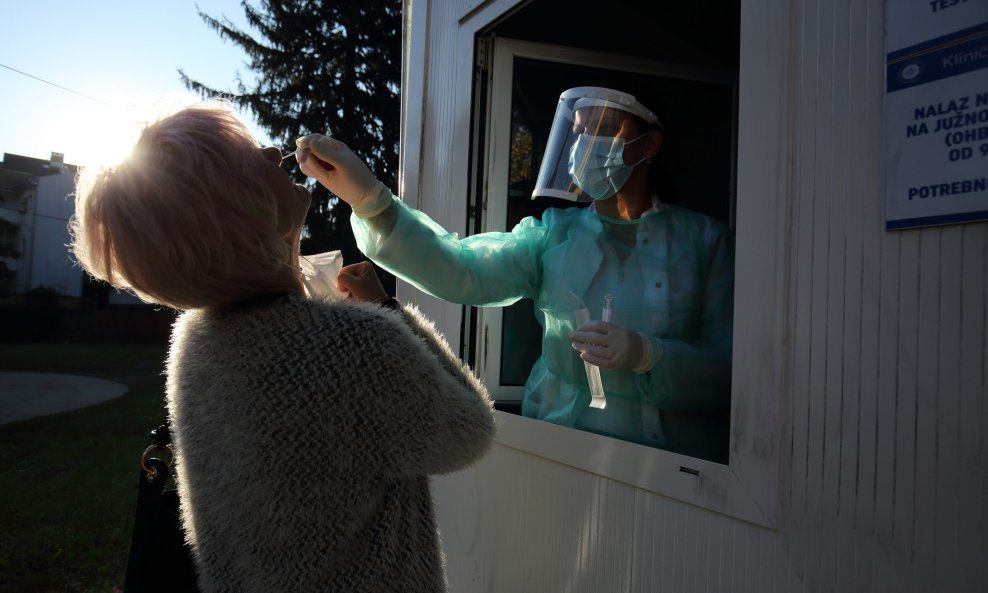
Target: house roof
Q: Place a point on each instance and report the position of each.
(33, 166)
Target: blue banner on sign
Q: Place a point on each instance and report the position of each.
(938, 64)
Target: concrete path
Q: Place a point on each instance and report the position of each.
(27, 395)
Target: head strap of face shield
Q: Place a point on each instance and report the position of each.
(592, 96)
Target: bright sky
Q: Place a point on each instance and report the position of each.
(125, 53)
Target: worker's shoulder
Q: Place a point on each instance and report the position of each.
(698, 223)
(553, 217)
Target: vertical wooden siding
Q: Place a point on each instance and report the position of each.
(441, 190)
(884, 481)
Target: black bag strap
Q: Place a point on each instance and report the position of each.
(159, 559)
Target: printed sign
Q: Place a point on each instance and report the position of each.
(936, 112)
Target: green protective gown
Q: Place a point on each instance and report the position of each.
(671, 274)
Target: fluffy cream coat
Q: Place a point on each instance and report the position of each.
(305, 434)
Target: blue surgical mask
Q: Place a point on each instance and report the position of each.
(596, 164)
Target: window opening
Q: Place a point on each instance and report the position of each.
(696, 171)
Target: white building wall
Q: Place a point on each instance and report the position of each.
(51, 265)
(432, 166)
(883, 477)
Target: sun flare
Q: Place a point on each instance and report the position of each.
(104, 135)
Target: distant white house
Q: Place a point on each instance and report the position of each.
(36, 205)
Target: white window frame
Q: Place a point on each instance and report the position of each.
(748, 487)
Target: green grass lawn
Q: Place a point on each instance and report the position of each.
(68, 482)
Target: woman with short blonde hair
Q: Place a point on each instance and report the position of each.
(177, 220)
(305, 431)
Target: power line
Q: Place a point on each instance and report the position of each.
(56, 85)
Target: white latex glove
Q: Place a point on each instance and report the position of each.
(343, 173)
(611, 346)
(359, 282)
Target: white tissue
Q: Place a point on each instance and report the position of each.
(319, 274)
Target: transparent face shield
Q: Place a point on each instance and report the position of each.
(591, 112)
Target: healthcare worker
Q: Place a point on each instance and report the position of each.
(665, 353)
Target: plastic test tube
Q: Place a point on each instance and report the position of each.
(597, 398)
